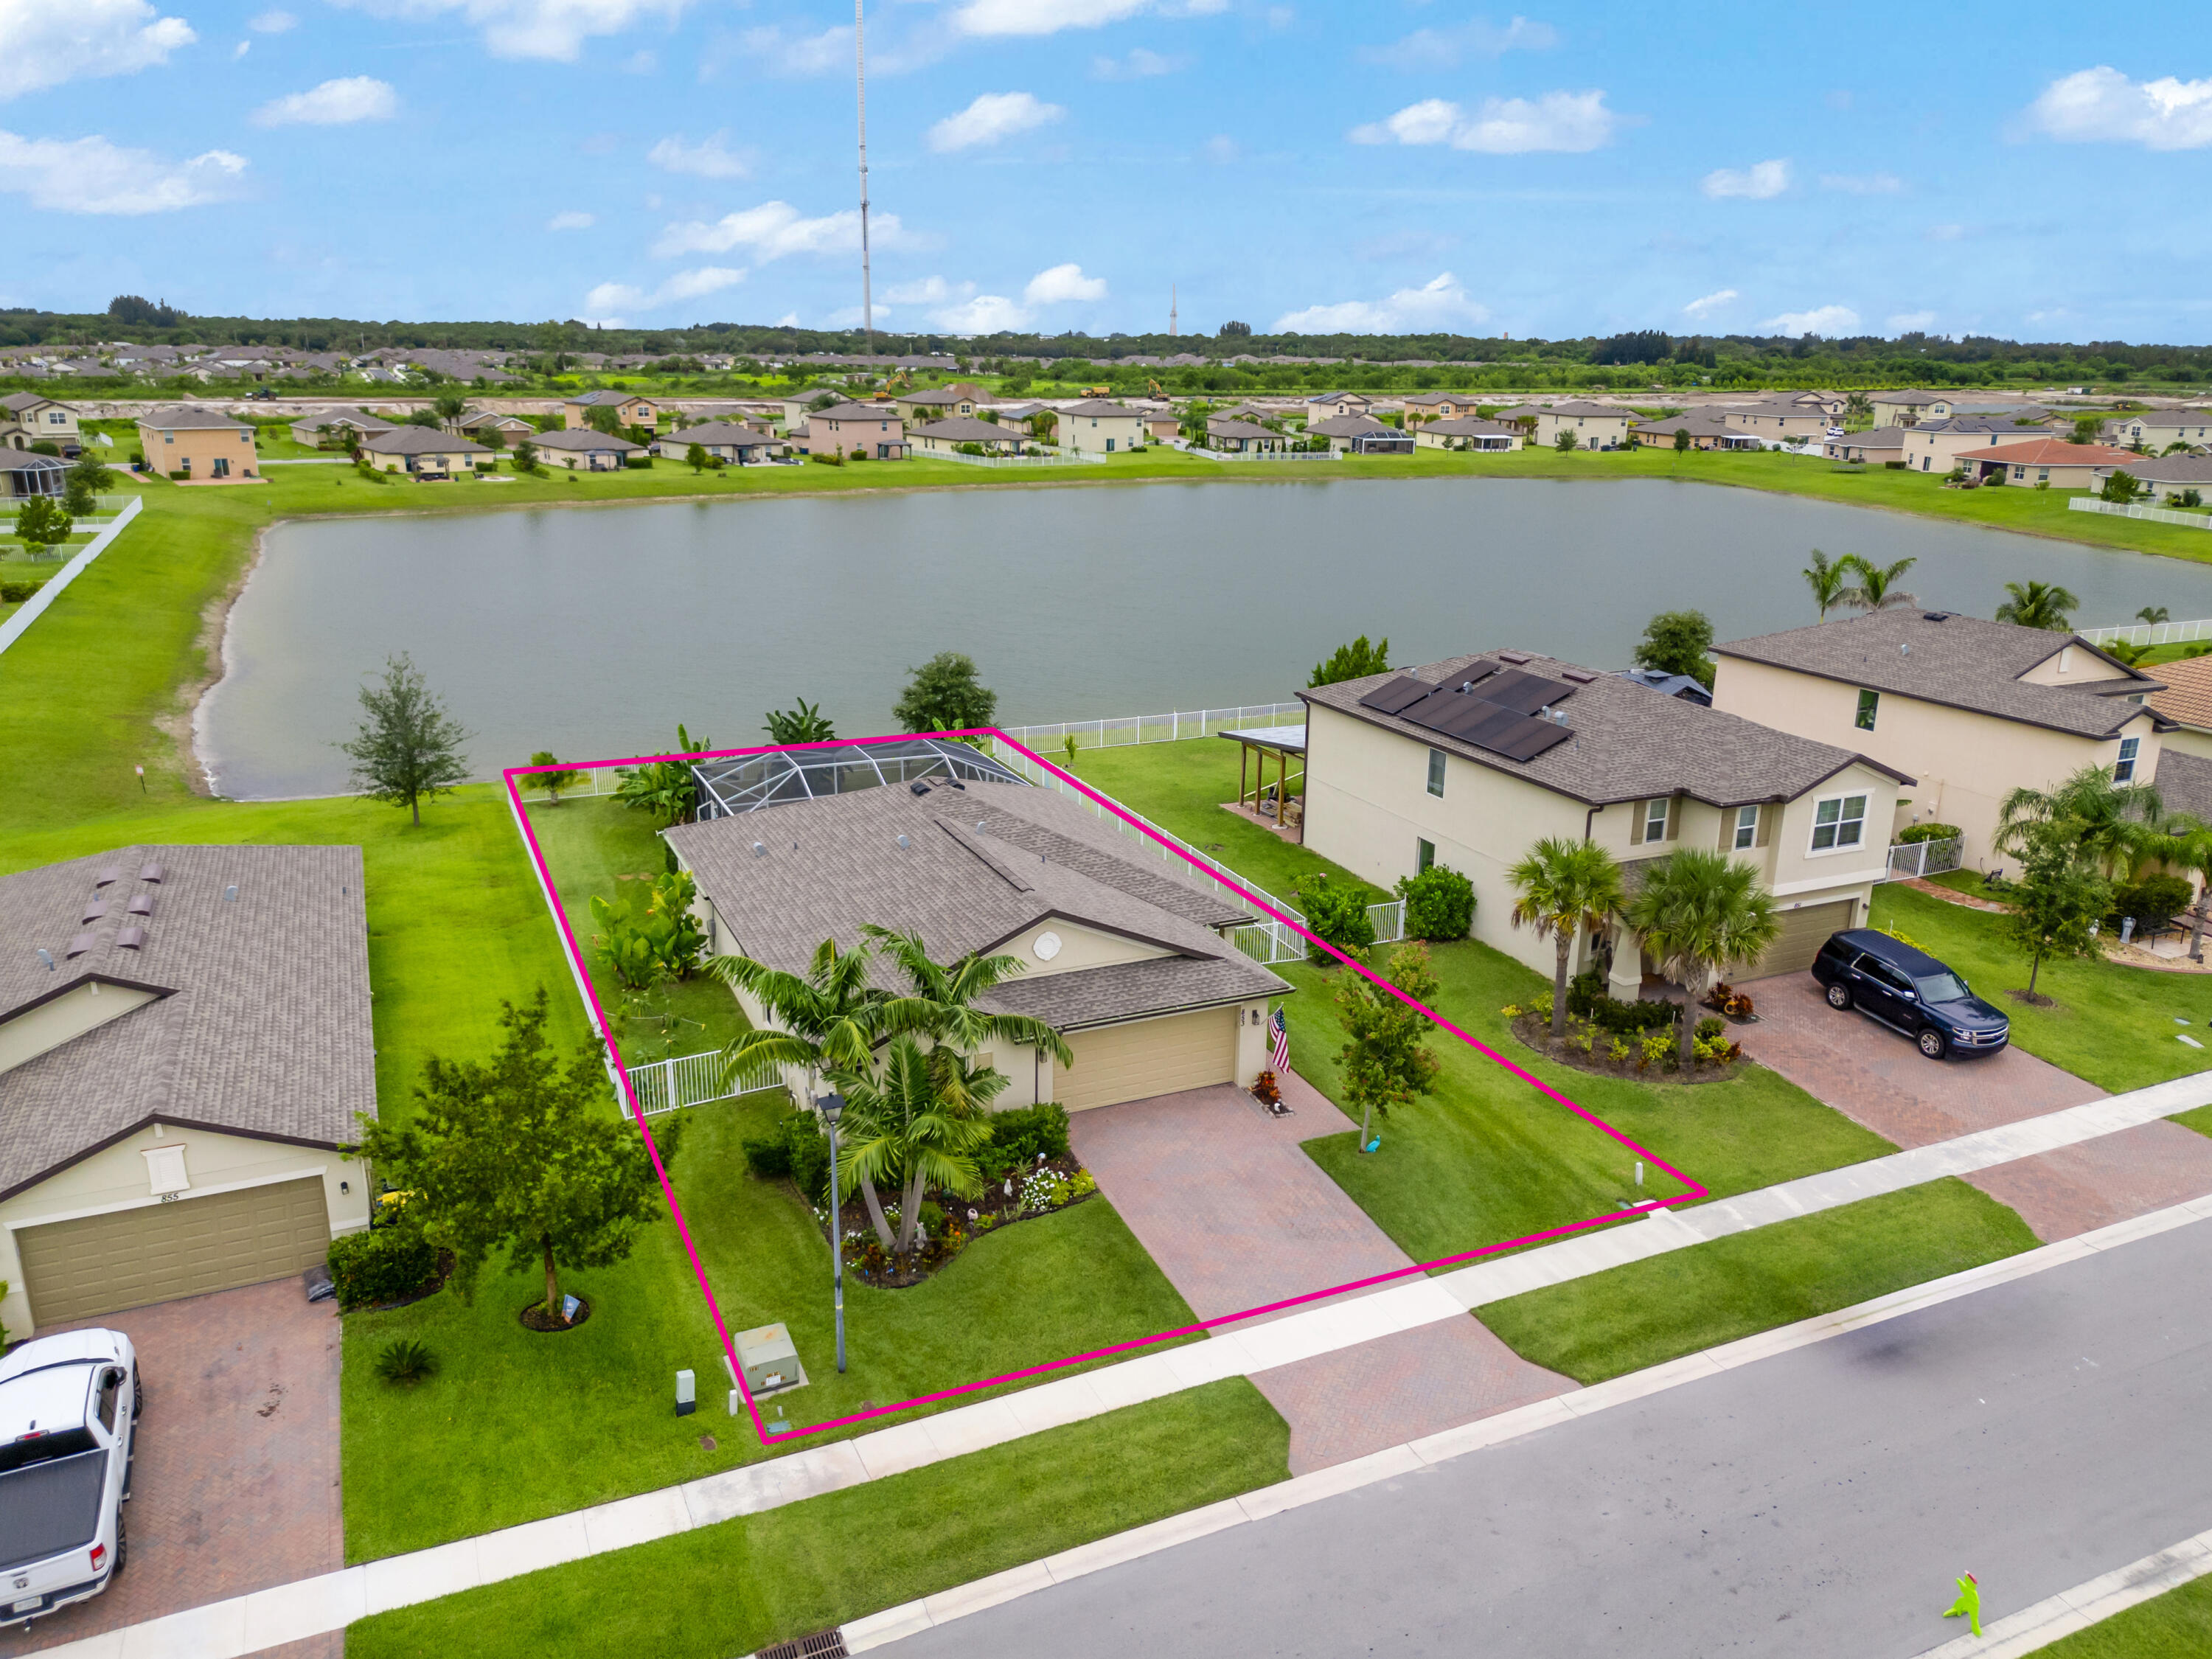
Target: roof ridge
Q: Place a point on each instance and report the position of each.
(998, 867)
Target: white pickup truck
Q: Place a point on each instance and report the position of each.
(68, 1416)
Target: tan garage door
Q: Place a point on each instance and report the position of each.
(1804, 933)
(101, 1264)
(1152, 1057)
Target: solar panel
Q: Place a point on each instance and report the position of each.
(1525, 693)
(1530, 738)
(1397, 696)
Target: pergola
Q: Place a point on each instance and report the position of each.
(1282, 742)
(748, 782)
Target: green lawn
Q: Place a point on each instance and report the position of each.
(2177, 1625)
(1628, 1318)
(739, 1586)
(2114, 1026)
(1486, 1157)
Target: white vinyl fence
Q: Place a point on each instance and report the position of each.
(2165, 633)
(1912, 858)
(668, 1085)
(2155, 514)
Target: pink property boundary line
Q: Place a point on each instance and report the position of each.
(1697, 1190)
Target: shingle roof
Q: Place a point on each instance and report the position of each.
(1583, 407)
(2187, 695)
(1974, 424)
(611, 398)
(831, 866)
(857, 412)
(261, 1024)
(935, 396)
(2185, 784)
(419, 440)
(1961, 662)
(1909, 399)
(187, 420)
(2189, 472)
(1466, 426)
(1699, 423)
(1100, 408)
(726, 433)
(967, 429)
(1624, 744)
(585, 438)
(1244, 429)
(1879, 437)
(1348, 426)
(16, 403)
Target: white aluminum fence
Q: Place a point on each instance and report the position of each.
(1908, 859)
(668, 1085)
(1077, 458)
(2165, 633)
(2155, 514)
(1259, 454)
(1153, 728)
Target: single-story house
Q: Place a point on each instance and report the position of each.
(1779, 418)
(1241, 437)
(580, 449)
(726, 440)
(1939, 445)
(1465, 432)
(1333, 405)
(629, 409)
(1468, 762)
(870, 428)
(1884, 445)
(1095, 425)
(184, 1048)
(950, 434)
(1360, 434)
(23, 473)
(1440, 406)
(941, 402)
(1124, 957)
(2157, 428)
(326, 428)
(1596, 425)
(483, 423)
(29, 418)
(1707, 430)
(2170, 476)
(199, 444)
(2052, 461)
(1524, 416)
(1972, 709)
(1162, 424)
(423, 453)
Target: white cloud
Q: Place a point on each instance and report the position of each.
(605, 303)
(774, 230)
(240, 50)
(1042, 16)
(789, 319)
(929, 291)
(272, 22)
(1944, 232)
(1910, 322)
(532, 28)
(1221, 150)
(333, 104)
(43, 44)
(693, 285)
(1433, 307)
(1063, 285)
(1710, 302)
(1139, 65)
(1826, 319)
(799, 54)
(90, 175)
(1863, 183)
(986, 314)
(710, 158)
(1571, 122)
(570, 220)
(1430, 49)
(1759, 182)
(2102, 106)
(993, 116)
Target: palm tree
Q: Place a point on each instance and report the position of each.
(1565, 886)
(944, 1001)
(917, 1128)
(2039, 604)
(1874, 590)
(1696, 911)
(1827, 581)
(2185, 843)
(2113, 826)
(2153, 615)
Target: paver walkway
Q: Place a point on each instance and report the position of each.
(1881, 1079)
(2079, 1188)
(236, 1488)
(1227, 1202)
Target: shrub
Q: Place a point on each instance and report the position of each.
(2153, 901)
(1587, 1000)
(1339, 915)
(1017, 1136)
(1709, 1028)
(1913, 832)
(405, 1360)
(798, 1149)
(1439, 903)
(635, 462)
(178, 476)
(382, 1265)
(16, 592)
(932, 1219)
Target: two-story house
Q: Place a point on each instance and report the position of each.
(1099, 427)
(629, 409)
(28, 417)
(1596, 425)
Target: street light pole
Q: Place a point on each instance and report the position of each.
(832, 1108)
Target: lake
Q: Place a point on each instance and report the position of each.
(592, 632)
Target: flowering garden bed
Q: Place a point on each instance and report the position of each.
(949, 1225)
(1652, 1056)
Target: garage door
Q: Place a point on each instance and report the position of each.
(1152, 1057)
(101, 1264)
(1804, 933)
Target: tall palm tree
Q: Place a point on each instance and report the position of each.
(1827, 579)
(944, 999)
(2039, 604)
(2113, 826)
(1564, 885)
(910, 1129)
(1875, 589)
(1696, 911)
(2154, 613)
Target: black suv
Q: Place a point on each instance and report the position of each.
(1908, 989)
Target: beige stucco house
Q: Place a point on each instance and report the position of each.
(1331, 405)
(326, 428)
(1778, 417)
(1594, 425)
(28, 418)
(184, 1048)
(580, 449)
(2155, 428)
(938, 436)
(1098, 427)
(937, 403)
(1909, 408)
(1440, 406)
(201, 446)
(2050, 462)
(1884, 445)
(1971, 709)
(729, 441)
(873, 429)
(1465, 432)
(1242, 437)
(423, 452)
(629, 409)
(1469, 762)
(1938, 446)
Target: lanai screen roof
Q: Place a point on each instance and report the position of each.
(749, 783)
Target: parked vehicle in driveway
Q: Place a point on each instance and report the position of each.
(68, 1412)
(1906, 989)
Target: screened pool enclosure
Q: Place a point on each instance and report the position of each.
(751, 782)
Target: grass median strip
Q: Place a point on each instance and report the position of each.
(2175, 1625)
(1627, 1319)
(741, 1585)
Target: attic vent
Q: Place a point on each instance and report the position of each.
(80, 945)
(904, 843)
(131, 937)
(94, 910)
(142, 905)
(113, 873)
(760, 849)
(1935, 616)
(230, 894)
(919, 787)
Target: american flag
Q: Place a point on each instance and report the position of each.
(1281, 1050)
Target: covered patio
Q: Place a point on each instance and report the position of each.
(1279, 805)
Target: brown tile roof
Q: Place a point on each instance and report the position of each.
(2187, 695)
(260, 1024)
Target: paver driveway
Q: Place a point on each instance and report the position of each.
(1238, 1216)
(237, 1483)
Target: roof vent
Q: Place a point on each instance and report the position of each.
(1935, 616)
(919, 787)
(760, 849)
(230, 894)
(112, 873)
(81, 944)
(94, 910)
(1904, 650)
(131, 937)
(904, 843)
(46, 956)
(142, 905)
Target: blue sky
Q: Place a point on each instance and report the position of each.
(1057, 164)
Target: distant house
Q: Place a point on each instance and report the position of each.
(1097, 425)
(1162, 424)
(1359, 434)
(1707, 430)
(24, 473)
(421, 451)
(726, 440)
(1909, 408)
(2049, 461)
(1596, 425)
(950, 434)
(580, 449)
(629, 409)
(936, 404)
(1939, 445)
(1243, 437)
(195, 446)
(1468, 432)
(2173, 475)
(1668, 685)
(1777, 417)
(1439, 406)
(873, 429)
(483, 422)
(1883, 446)
(2155, 428)
(30, 417)
(326, 429)
(1332, 405)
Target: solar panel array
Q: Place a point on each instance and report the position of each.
(1489, 707)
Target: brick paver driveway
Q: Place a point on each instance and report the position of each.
(1238, 1216)
(1877, 1078)
(2114, 1178)
(237, 1483)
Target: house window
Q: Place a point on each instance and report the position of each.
(1839, 821)
(1868, 702)
(2124, 770)
(1424, 855)
(1655, 820)
(1747, 827)
(1436, 772)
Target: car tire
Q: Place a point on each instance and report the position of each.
(122, 1550)
(137, 1394)
(1839, 997)
(1932, 1044)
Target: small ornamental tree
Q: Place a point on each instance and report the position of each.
(1353, 662)
(1682, 440)
(1387, 1062)
(1566, 443)
(525, 456)
(552, 782)
(1679, 642)
(408, 745)
(41, 522)
(2057, 905)
(522, 1154)
(944, 696)
(2122, 486)
(696, 457)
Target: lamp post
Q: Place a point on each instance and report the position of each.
(832, 1107)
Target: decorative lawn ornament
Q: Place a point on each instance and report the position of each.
(1968, 1607)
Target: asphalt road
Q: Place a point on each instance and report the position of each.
(1819, 1503)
